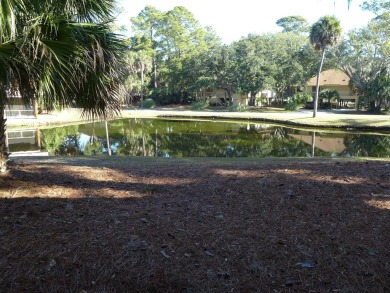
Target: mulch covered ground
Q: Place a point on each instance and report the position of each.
(195, 225)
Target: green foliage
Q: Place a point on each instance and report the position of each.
(147, 104)
(297, 24)
(138, 65)
(293, 106)
(364, 57)
(329, 94)
(172, 39)
(361, 103)
(238, 108)
(200, 105)
(301, 98)
(297, 101)
(376, 6)
(326, 105)
(63, 53)
(60, 140)
(325, 32)
(164, 96)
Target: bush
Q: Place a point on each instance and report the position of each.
(293, 106)
(326, 106)
(297, 101)
(199, 105)
(147, 104)
(163, 96)
(238, 108)
(361, 103)
(331, 95)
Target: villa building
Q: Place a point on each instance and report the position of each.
(334, 79)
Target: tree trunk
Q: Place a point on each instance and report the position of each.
(318, 83)
(142, 85)
(252, 100)
(154, 73)
(3, 148)
(229, 96)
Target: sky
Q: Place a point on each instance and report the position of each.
(232, 19)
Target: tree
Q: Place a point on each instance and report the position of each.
(294, 23)
(364, 56)
(293, 62)
(60, 53)
(147, 26)
(174, 37)
(222, 67)
(325, 32)
(253, 65)
(377, 7)
(138, 64)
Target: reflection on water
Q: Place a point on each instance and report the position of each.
(176, 138)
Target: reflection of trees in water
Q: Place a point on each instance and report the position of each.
(363, 145)
(95, 145)
(136, 138)
(93, 148)
(149, 137)
(246, 142)
(61, 140)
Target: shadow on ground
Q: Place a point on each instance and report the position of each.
(195, 225)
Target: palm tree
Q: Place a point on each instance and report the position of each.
(325, 32)
(61, 53)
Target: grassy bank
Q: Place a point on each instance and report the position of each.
(325, 119)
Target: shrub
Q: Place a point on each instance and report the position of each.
(238, 108)
(331, 95)
(163, 96)
(361, 103)
(293, 106)
(199, 105)
(326, 105)
(147, 103)
(297, 101)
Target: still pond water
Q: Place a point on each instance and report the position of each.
(178, 138)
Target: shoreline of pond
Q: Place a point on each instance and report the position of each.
(336, 119)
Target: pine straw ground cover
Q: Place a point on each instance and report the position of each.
(195, 225)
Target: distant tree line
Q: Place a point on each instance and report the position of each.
(181, 58)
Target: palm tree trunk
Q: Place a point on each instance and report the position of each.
(108, 139)
(318, 83)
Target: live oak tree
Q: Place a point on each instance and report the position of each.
(378, 7)
(294, 62)
(294, 23)
(254, 68)
(364, 56)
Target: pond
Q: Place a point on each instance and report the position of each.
(190, 138)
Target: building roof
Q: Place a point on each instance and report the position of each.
(330, 77)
